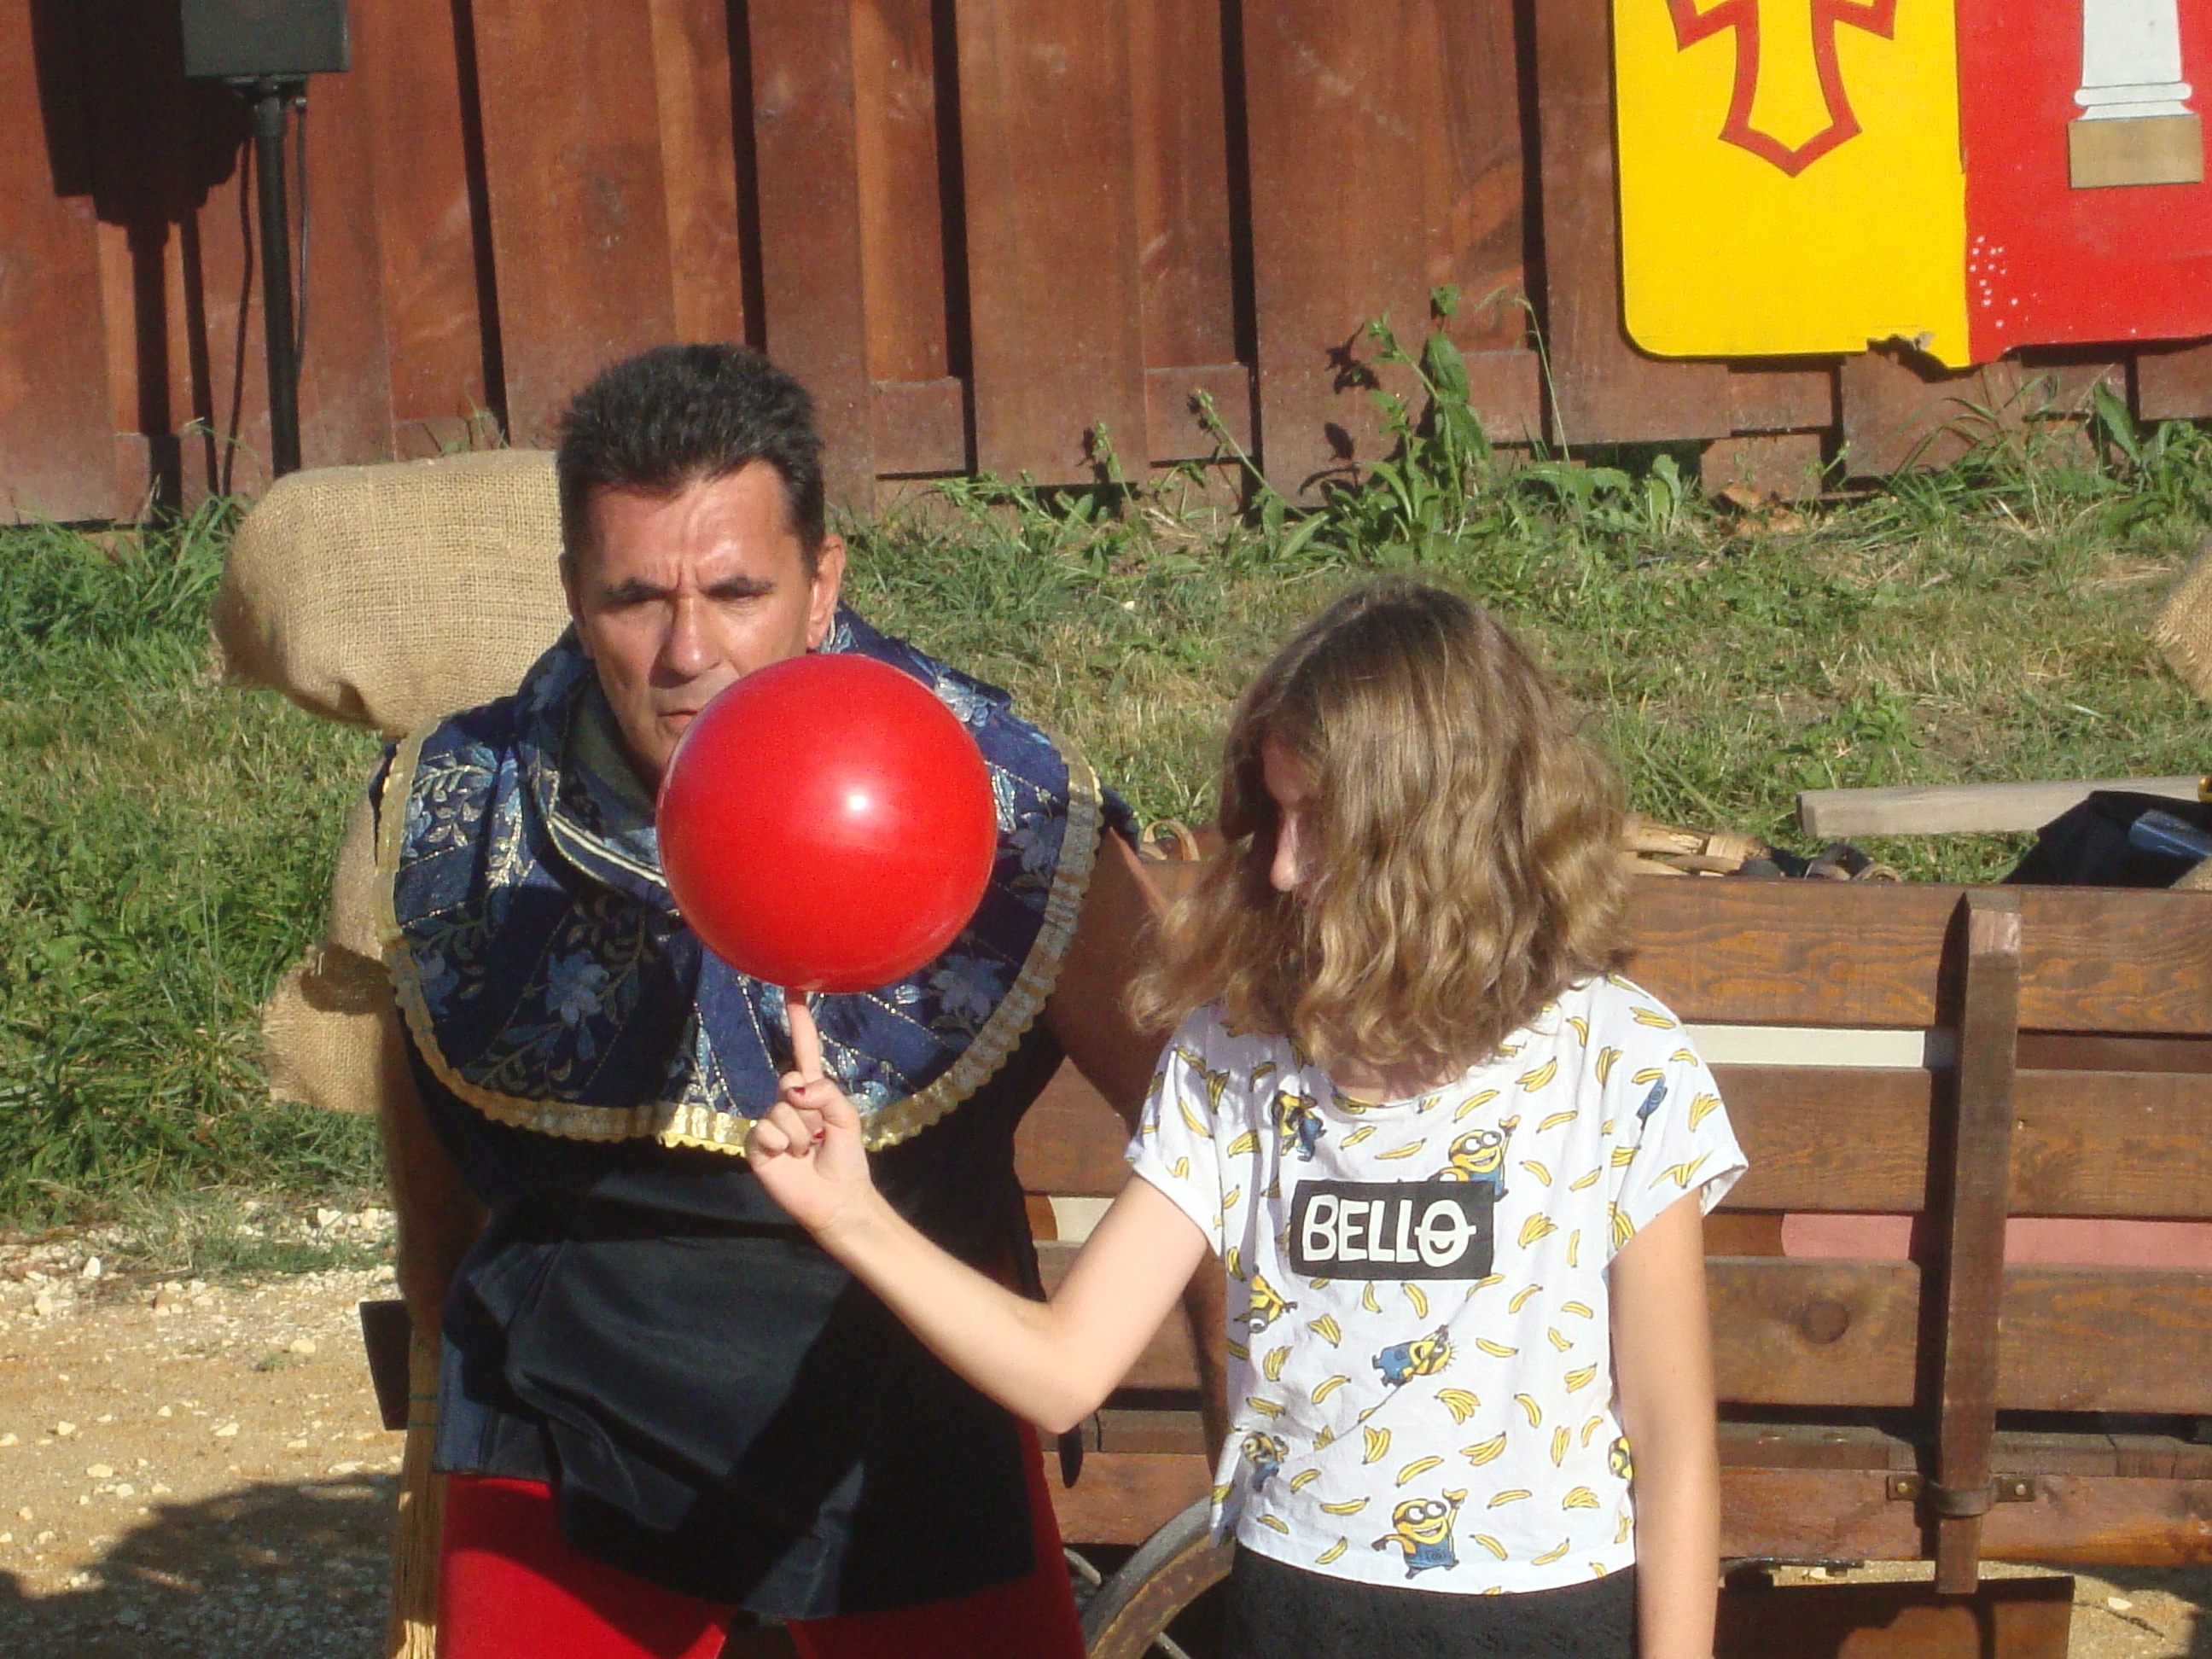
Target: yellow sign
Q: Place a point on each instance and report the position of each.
(1790, 177)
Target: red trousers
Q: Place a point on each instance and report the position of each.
(510, 1587)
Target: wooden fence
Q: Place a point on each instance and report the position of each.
(980, 230)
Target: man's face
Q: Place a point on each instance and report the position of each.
(679, 596)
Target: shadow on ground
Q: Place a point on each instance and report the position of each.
(2187, 1583)
(297, 1569)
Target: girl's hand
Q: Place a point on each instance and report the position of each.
(807, 1150)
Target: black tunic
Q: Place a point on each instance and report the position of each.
(728, 1413)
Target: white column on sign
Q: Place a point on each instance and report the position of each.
(2131, 60)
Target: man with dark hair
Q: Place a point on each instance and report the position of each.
(660, 1403)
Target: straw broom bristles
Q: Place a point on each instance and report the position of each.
(418, 1526)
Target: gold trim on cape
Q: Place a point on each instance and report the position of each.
(675, 1124)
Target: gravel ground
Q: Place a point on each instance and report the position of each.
(191, 1471)
(186, 1469)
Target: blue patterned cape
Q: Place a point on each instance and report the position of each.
(550, 984)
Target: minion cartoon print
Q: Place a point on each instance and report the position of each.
(1264, 1453)
(1297, 1123)
(1267, 1305)
(1652, 1102)
(1424, 1356)
(1618, 1460)
(1478, 1158)
(1422, 1528)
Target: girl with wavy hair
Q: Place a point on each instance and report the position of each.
(1453, 1163)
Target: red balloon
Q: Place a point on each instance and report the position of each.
(826, 825)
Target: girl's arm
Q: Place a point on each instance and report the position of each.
(1049, 1362)
(1663, 1362)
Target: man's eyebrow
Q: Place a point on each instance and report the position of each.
(633, 590)
(739, 586)
(636, 590)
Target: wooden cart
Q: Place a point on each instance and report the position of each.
(1957, 1055)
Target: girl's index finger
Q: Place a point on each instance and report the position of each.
(806, 1040)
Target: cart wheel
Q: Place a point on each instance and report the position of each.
(1129, 1616)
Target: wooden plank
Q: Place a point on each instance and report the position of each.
(1505, 389)
(805, 140)
(1055, 317)
(1124, 1498)
(218, 319)
(1385, 161)
(1070, 1141)
(2111, 1144)
(2085, 1143)
(54, 430)
(900, 93)
(1817, 1515)
(1781, 397)
(1844, 1333)
(1785, 1331)
(1744, 1232)
(2173, 383)
(1119, 1428)
(164, 160)
(416, 70)
(1900, 409)
(2059, 1051)
(1832, 953)
(921, 427)
(345, 373)
(707, 253)
(579, 219)
(1178, 121)
(1950, 808)
(1605, 390)
(1763, 1445)
(1896, 410)
(1172, 428)
(124, 108)
(1847, 1515)
(1974, 1178)
(2016, 1618)
(1772, 465)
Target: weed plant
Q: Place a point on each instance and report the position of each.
(165, 842)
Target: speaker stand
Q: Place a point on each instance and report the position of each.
(267, 97)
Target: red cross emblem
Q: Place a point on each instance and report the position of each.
(1877, 17)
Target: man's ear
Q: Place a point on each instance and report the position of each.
(571, 589)
(829, 582)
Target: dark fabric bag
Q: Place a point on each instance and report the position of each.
(2088, 846)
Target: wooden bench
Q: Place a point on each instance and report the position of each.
(1959, 1056)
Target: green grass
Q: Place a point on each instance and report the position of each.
(164, 842)
(164, 846)
(1984, 622)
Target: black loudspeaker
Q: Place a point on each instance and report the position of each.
(281, 40)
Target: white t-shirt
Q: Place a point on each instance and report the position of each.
(1420, 1370)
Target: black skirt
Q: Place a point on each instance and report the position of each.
(1278, 1611)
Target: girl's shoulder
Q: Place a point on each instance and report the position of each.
(1613, 1001)
(1208, 1031)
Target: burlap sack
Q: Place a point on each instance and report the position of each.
(2183, 627)
(387, 596)
(383, 596)
(321, 1027)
